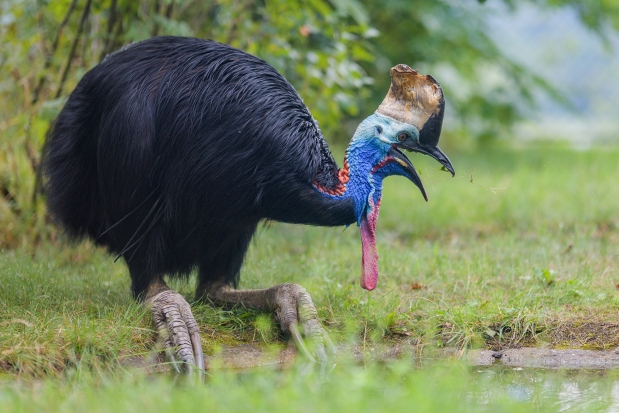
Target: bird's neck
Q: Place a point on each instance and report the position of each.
(360, 180)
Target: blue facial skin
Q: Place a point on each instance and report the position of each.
(369, 146)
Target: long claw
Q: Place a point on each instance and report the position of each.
(197, 350)
(168, 347)
(330, 347)
(298, 341)
(322, 355)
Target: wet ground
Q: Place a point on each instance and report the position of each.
(543, 358)
(536, 379)
(249, 356)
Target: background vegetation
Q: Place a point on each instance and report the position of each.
(336, 53)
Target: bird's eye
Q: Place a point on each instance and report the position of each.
(402, 136)
(378, 130)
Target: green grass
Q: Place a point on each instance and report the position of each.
(394, 387)
(521, 248)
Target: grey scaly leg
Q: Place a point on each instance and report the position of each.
(291, 304)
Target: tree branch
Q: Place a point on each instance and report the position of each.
(169, 9)
(155, 29)
(109, 38)
(50, 55)
(67, 67)
(114, 44)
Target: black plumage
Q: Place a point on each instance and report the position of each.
(171, 151)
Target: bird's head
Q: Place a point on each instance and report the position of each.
(410, 118)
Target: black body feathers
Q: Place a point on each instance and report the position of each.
(172, 150)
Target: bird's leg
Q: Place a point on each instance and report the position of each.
(291, 304)
(176, 326)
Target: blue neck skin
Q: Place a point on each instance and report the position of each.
(364, 154)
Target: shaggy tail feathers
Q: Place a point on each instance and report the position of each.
(69, 169)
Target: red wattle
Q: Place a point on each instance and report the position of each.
(369, 260)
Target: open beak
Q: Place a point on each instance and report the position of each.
(433, 151)
(411, 172)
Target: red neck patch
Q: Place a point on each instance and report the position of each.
(338, 190)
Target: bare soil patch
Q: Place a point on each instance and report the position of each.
(591, 335)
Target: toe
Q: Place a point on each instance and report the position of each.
(295, 307)
(178, 329)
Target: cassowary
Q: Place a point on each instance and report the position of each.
(171, 151)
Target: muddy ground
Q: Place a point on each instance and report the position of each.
(250, 356)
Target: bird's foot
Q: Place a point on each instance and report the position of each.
(294, 307)
(178, 330)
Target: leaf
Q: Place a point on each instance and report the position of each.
(417, 286)
(544, 275)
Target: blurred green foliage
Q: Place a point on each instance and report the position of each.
(337, 54)
(396, 387)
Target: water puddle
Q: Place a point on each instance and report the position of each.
(581, 390)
